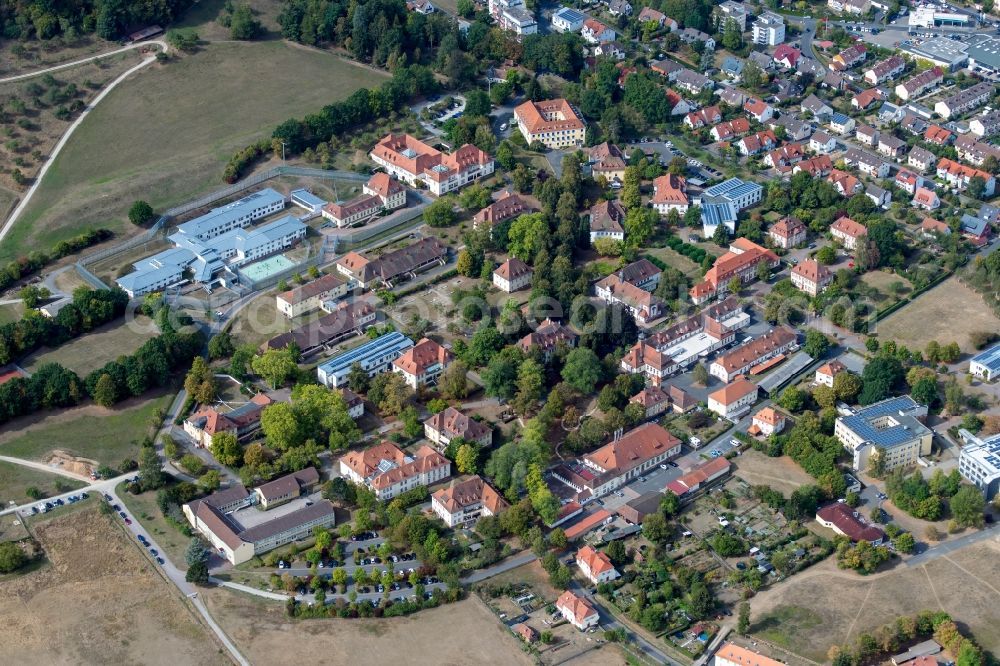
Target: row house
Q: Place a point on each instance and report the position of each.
(786, 56)
(710, 115)
(974, 151)
(908, 181)
(795, 129)
(850, 57)
(811, 277)
(921, 159)
(740, 360)
(888, 69)
(670, 193)
(921, 83)
(958, 175)
(513, 275)
(785, 156)
(788, 232)
(965, 100)
(986, 124)
(847, 231)
(729, 129)
(817, 167)
(845, 184)
(757, 143)
(547, 337)
(389, 472)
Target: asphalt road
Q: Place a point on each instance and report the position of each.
(948, 547)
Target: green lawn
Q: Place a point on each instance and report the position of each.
(143, 508)
(787, 626)
(16, 479)
(165, 134)
(108, 439)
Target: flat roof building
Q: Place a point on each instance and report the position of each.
(979, 463)
(891, 429)
(986, 364)
(374, 357)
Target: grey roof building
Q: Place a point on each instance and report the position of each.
(941, 51)
(890, 429)
(979, 463)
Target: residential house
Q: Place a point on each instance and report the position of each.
(355, 403)
(986, 124)
(610, 50)
(731, 96)
(242, 421)
(788, 232)
(966, 100)
(606, 221)
(958, 175)
(699, 477)
(762, 60)
(547, 337)
(986, 364)
(758, 110)
(854, 7)
(648, 14)
(890, 113)
(849, 57)
(608, 161)
(732, 68)
(866, 134)
(619, 8)
(888, 69)
(513, 275)
(758, 142)
(811, 277)
(879, 196)
(926, 199)
(642, 273)
(795, 129)
(653, 400)
(818, 167)
(389, 472)
(931, 228)
(669, 193)
(422, 364)
(769, 29)
(678, 106)
(578, 611)
(741, 360)
(513, 16)
(845, 184)
(567, 19)
(450, 424)
(786, 56)
(908, 181)
(595, 32)
(939, 136)
(784, 157)
(826, 373)
(866, 99)
(847, 231)
(841, 124)
(734, 399)
(554, 123)
(816, 107)
(911, 123)
(890, 146)
(693, 36)
(732, 11)
(767, 422)
(921, 159)
(866, 163)
(643, 305)
(463, 503)
(507, 206)
(729, 129)
(667, 68)
(975, 229)
(595, 565)
(692, 82)
(973, 151)
(921, 83)
(710, 115)
(822, 143)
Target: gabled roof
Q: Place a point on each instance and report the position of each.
(466, 493)
(595, 561)
(577, 607)
(634, 448)
(848, 226)
(513, 269)
(420, 357)
(733, 391)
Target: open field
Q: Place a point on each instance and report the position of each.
(93, 350)
(946, 313)
(30, 134)
(144, 509)
(106, 435)
(15, 479)
(460, 633)
(97, 601)
(782, 473)
(823, 605)
(22, 57)
(174, 129)
(11, 312)
(675, 260)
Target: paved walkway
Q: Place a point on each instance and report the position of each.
(499, 568)
(8, 225)
(46, 468)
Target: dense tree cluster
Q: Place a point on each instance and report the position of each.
(108, 18)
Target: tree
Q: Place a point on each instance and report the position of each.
(763, 271)
(582, 370)
(977, 187)
(527, 235)
(878, 378)
(221, 346)
(151, 474)
(182, 40)
(226, 449)
(826, 255)
(440, 213)
(743, 624)
(141, 213)
(12, 557)
(197, 573)
(275, 366)
(200, 381)
(280, 426)
(530, 383)
(505, 155)
(467, 459)
(31, 295)
(735, 285)
(453, 382)
(389, 392)
(210, 481)
(721, 235)
(700, 375)
(243, 24)
(846, 386)
(105, 392)
(793, 399)
(925, 391)
(816, 344)
(904, 543)
(640, 223)
(466, 264)
(967, 507)
(196, 552)
(358, 379)
(192, 464)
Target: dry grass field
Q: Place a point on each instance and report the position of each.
(97, 601)
(452, 635)
(16, 479)
(166, 133)
(782, 473)
(946, 313)
(825, 606)
(92, 351)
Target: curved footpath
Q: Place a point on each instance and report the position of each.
(76, 123)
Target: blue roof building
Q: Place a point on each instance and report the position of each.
(721, 203)
(986, 364)
(374, 357)
(236, 214)
(890, 430)
(303, 198)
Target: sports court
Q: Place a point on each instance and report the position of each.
(265, 268)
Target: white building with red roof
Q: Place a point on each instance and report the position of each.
(741, 360)
(826, 372)
(788, 232)
(618, 462)
(653, 400)
(740, 261)
(734, 399)
(311, 296)
(670, 193)
(414, 162)
(465, 502)
(388, 471)
(578, 611)
(595, 565)
(847, 231)
(844, 520)
(423, 363)
(512, 275)
(242, 421)
(766, 422)
(811, 277)
(554, 123)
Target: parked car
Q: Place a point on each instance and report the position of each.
(160, 561)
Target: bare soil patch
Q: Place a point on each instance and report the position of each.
(946, 313)
(454, 634)
(782, 473)
(98, 601)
